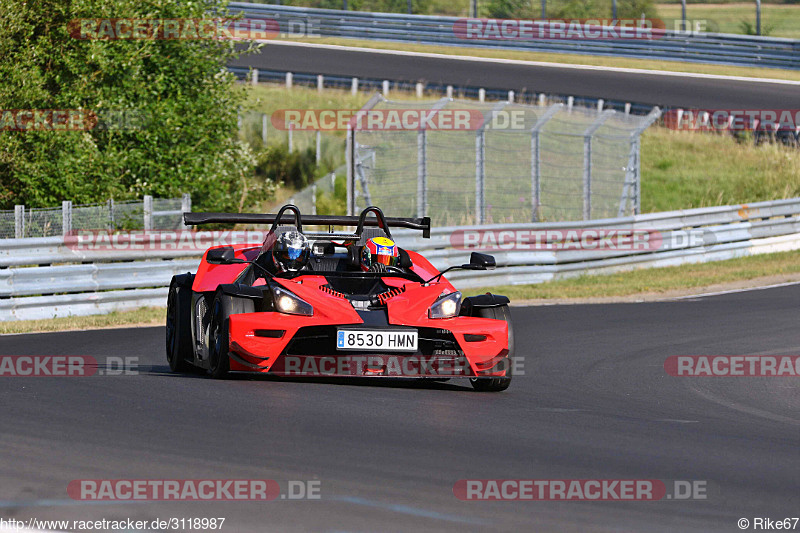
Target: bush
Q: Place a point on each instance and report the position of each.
(507, 9)
(296, 169)
(178, 92)
(633, 9)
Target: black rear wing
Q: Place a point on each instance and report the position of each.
(423, 224)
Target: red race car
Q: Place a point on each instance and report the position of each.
(332, 304)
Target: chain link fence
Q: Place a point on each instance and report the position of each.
(521, 163)
(147, 214)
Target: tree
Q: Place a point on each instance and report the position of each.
(170, 107)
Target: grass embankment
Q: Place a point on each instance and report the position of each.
(777, 20)
(688, 279)
(149, 316)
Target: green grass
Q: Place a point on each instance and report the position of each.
(776, 20)
(682, 170)
(656, 280)
(150, 316)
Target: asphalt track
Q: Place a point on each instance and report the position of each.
(652, 89)
(595, 402)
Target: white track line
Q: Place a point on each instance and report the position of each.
(530, 63)
(732, 291)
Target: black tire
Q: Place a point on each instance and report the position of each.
(496, 384)
(218, 339)
(179, 333)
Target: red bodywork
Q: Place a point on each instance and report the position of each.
(408, 306)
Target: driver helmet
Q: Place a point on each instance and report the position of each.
(379, 250)
(291, 251)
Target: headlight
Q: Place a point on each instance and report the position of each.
(288, 303)
(446, 306)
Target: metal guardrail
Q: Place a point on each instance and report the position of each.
(739, 50)
(63, 284)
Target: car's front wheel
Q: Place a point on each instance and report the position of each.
(179, 335)
(496, 384)
(218, 339)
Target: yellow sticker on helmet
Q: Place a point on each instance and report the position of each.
(383, 241)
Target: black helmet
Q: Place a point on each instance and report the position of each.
(291, 252)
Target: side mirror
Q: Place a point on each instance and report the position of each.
(479, 261)
(222, 256)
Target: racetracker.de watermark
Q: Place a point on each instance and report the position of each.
(173, 29)
(733, 119)
(585, 239)
(66, 366)
(399, 366)
(29, 120)
(578, 489)
(192, 490)
(733, 365)
(397, 119)
(559, 29)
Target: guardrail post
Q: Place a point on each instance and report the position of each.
(510, 96)
(148, 213)
(481, 95)
(542, 100)
(587, 162)
(354, 86)
(264, 129)
(419, 88)
(449, 91)
(19, 221)
(570, 101)
(291, 143)
(318, 153)
(385, 87)
(320, 83)
(536, 185)
(600, 103)
(288, 80)
(66, 217)
(254, 80)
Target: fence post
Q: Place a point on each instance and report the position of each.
(480, 176)
(111, 222)
(186, 203)
(66, 217)
(314, 199)
(422, 173)
(148, 213)
(349, 161)
(264, 129)
(319, 147)
(536, 179)
(19, 221)
(587, 161)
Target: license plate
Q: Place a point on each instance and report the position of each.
(377, 340)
